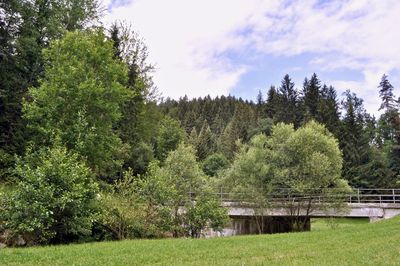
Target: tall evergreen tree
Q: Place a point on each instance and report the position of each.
(287, 108)
(386, 94)
(206, 142)
(364, 165)
(389, 126)
(271, 102)
(311, 96)
(328, 110)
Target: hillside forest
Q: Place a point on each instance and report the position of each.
(89, 149)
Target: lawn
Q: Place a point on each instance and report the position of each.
(321, 224)
(356, 243)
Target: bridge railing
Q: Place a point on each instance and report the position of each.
(357, 196)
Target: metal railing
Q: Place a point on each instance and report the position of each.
(358, 195)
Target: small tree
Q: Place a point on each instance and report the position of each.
(306, 162)
(176, 195)
(249, 178)
(301, 162)
(215, 163)
(170, 134)
(205, 211)
(53, 201)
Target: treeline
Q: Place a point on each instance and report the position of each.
(370, 146)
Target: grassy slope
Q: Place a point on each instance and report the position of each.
(362, 244)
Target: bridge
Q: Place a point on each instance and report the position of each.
(284, 207)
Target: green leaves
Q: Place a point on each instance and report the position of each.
(53, 198)
(80, 99)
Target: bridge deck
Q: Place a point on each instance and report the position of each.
(370, 203)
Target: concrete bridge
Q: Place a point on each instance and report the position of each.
(374, 204)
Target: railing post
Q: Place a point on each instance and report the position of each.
(358, 195)
(220, 194)
(394, 196)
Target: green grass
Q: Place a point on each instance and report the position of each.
(361, 244)
(320, 224)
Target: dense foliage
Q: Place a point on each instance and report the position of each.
(54, 198)
(369, 145)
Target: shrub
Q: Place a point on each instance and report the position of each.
(214, 163)
(53, 200)
(206, 211)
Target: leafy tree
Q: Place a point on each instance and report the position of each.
(311, 162)
(170, 135)
(185, 177)
(53, 200)
(206, 211)
(80, 99)
(26, 27)
(301, 161)
(215, 163)
(141, 156)
(249, 177)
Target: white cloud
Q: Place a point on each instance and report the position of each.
(188, 39)
(357, 35)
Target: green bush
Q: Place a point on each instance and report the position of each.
(122, 214)
(206, 211)
(53, 200)
(214, 163)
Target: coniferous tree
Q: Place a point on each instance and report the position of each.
(364, 164)
(271, 102)
(328, 109)
(386, 94)
(287, 112)
(205, 142)
(389, 126)
(311, 97)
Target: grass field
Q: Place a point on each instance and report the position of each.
(352, 243)
(321, 224)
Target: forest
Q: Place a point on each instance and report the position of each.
(89, 150)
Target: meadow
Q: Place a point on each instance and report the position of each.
(349, 242)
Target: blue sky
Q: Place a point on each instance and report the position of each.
(242, 46)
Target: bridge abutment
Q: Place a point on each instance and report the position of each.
(247, 225)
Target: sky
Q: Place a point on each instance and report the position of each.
(238, 47)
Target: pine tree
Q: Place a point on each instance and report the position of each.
(311, 96)
(206, 142)
(271, 102)
(386, 94)
(389, 126)
(328, 109)
(352, 143)
(287, 103)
